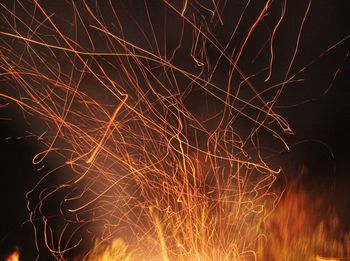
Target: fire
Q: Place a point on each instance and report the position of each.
(10, 253)
(318, 258)
(13, 257)
(117, 251)
(303, 227)
(157, 135)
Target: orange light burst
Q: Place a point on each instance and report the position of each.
(13, 257)
(157, 135)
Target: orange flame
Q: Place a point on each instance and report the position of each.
(13, 257)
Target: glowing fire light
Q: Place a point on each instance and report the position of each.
(12, 254)
(13, 257)
(138, 166)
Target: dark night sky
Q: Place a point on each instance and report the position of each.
(320, 121)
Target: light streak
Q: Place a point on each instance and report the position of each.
(99, 145)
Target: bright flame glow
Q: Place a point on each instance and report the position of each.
(13, 257)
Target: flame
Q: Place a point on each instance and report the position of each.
(13, 257)
(117, 251)
(295, 231)
(318, 258)
(303, 228)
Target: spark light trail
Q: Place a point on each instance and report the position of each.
(157, 135)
